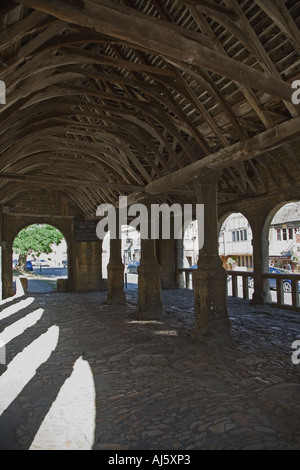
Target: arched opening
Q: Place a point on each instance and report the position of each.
(190, 252)
(130, 254)
(283, 225)
(235, 246)
(39, 258)
(236, 252)
(190, 245)
(284, 238)
(105, 254)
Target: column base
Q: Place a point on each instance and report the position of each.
(150, 306)
(115, 285)
(210, 297)
(259, 298)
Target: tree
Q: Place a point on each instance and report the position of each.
(34, 240)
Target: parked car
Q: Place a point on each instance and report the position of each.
(286, 284)
(29, 266)
(132, 267)
(64, 263)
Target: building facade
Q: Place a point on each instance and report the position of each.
(235, 241)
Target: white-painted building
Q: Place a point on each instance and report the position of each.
(284, 237)
(235, 241)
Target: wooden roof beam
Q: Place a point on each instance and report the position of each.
(160, 39)
(228, 156)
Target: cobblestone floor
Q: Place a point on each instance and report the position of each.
(84, 375)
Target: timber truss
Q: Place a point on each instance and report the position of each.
(122, 97)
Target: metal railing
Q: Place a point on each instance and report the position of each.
(238, 286)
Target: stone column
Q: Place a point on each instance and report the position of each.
(149, 283)
(7, 251)
(88, 267)
(166, 256)
(180, 263)
(115, 272)
(210, 279)
(260, 243)
(1, 271)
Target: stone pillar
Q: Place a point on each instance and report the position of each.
(7, 251)
(260, 243)
(88, 267)
(149, 283)
(210, 279)
(1, 256)
(166, 256)
(115, 273)
(180, 263)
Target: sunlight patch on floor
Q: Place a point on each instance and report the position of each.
(24, 366)
(70, 422)
(12, 309)
(18, 327)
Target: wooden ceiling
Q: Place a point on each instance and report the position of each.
(122, 97)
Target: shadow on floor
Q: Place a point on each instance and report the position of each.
(84, 375)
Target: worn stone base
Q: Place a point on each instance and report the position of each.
(62, 285)
(115, 285)
(149, 293)
(210, 297)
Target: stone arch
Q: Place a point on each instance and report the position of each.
(35, 207)
(235, 242)
(272, 213)
(20, 225)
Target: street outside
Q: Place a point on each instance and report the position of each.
(43, 279)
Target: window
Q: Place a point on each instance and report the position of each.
(240, 235)
(284, 234)
(278, 234)
(291, 233)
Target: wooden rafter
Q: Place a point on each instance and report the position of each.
(127, 25)
(251, 148)
(134, 96)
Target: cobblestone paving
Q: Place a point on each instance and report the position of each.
(146, 385)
